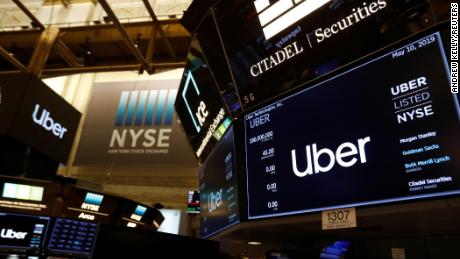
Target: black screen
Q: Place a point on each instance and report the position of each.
(22, 231)
(199, 105)
(45, 121)
(72, 236)
(274, 46)
(218, 188)
(383, 131)
(12, 88)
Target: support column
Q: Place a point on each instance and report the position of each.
(42, 50)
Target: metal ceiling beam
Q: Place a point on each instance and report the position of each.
(66, 54)
(128, 41)
(157, 25)
(60, 47)
(29, 14)
(50, 72)
(10, 58)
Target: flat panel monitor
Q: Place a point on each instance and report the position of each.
(275, 46)
(199, 105)
(23, 232)
(72, 237)
(384, 130)
(219, 189)
(29, 196)
(45, 121)
(193, 202)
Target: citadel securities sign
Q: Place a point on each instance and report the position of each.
(283, 44)
(133, 122)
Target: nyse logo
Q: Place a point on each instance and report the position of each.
(47, 122)
(200, 113)
(277, 16)
(138, 213)
(11, 234)
(214, 200)
(140, 111)
(92, 201)
(344, 155)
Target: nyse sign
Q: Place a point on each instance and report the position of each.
(134, 122)
(143, 122)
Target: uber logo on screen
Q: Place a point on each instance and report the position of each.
(46, 121)
(11, 234)
(200, 113)
(140, 111)
(275, 16)
(344, 155)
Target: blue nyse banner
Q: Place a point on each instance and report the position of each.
(133, 123)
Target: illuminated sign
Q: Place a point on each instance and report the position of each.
(138, 213)
(143, 108)
(22, 192)
(47, 122)
(201, 112)
(278, 16)
(11, 234)
(92, 202)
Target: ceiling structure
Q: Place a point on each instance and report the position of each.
(92, 36)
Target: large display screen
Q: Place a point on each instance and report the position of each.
(71, 236)
(45, 121)
(199, 105)
(218, 188)
(22, 231)
(383, 131)
(12, 88)
(274, 46)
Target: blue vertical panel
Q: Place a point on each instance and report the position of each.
(131, 107)
(141, 108)
(161, 106)
(121, 108)
(150, 107)
(170, 106)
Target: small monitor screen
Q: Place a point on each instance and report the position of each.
(22, 231)
(193, 204)
(72, 236)
(22, 192)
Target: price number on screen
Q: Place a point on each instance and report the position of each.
(271, 187)
(268, 152)
(272, 205)
(271, 169)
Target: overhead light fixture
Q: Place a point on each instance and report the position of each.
(255, 243)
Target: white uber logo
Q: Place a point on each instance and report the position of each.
(277, 16)
(11, 234)
(47, 122)
(345, 155)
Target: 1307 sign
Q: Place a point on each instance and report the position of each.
(340, 218)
